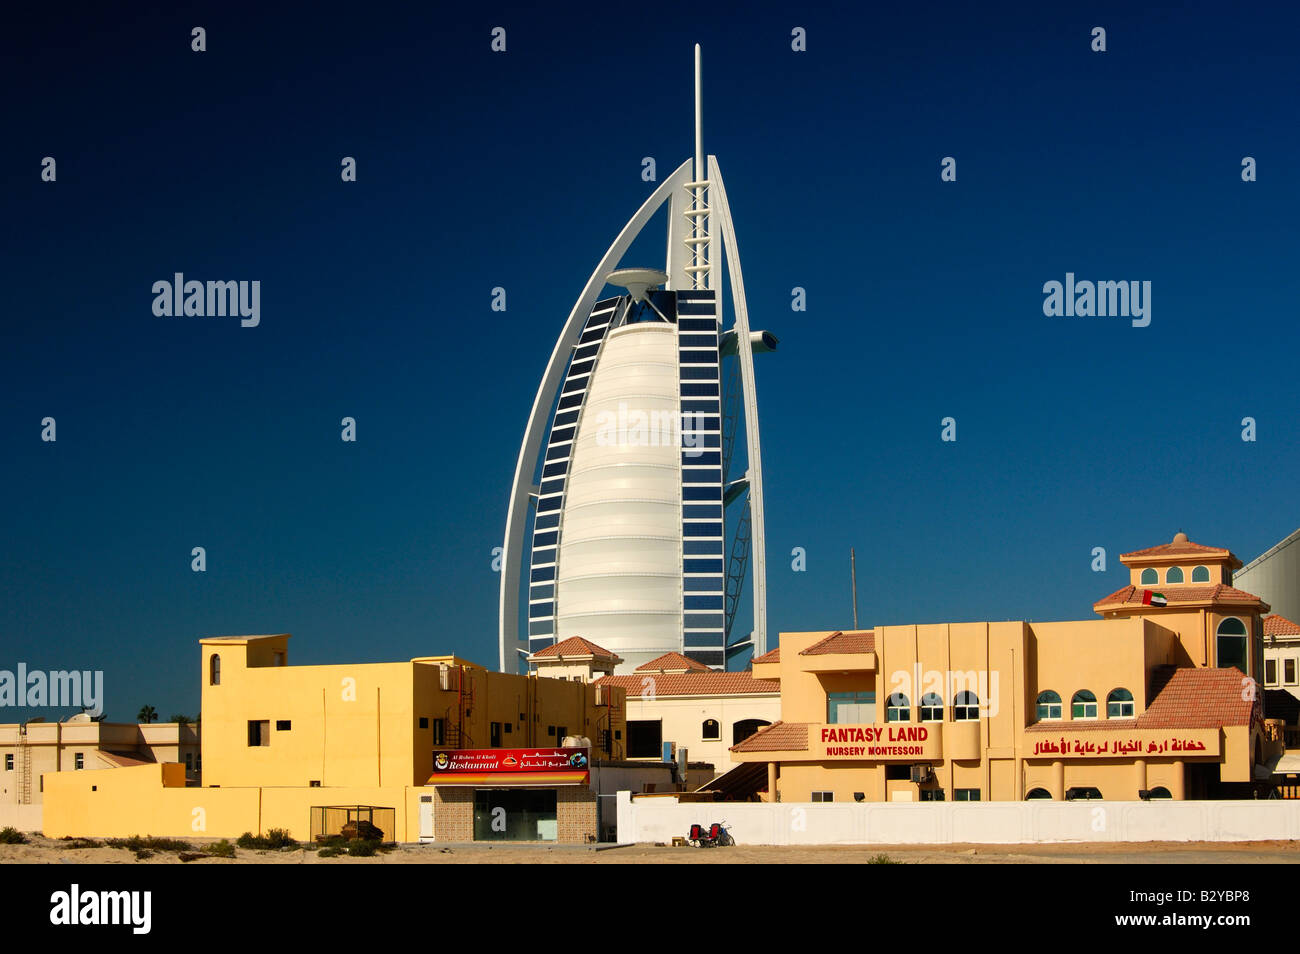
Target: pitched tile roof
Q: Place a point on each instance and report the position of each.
(1186, 698)
(670, 662)
(574, 646)
(777, 737)
(1180, 593)
(1276, 625)
(1179, 546)
(693, 683)
(771, 656)
(860, 641)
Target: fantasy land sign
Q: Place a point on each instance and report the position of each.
(535, 766)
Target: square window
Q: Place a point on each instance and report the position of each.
(283, 725)
(424, 722)
(823, 796)
(259, 732)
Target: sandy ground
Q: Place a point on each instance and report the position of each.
(47, 851)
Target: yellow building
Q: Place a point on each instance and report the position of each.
(281, 743)
(1156, 699)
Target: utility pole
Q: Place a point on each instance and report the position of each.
(853, 574)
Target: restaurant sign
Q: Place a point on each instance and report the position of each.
(536, 766)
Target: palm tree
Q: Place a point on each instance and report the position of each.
(147, 714)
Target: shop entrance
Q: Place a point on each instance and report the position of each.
(514, 814)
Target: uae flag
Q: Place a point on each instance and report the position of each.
(1150, 598)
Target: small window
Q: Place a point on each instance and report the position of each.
(931, 708)
(711, 731)
(439, 731)
(314, 783)
(259, 732)
(1201, 574)
(1149, 578)
(1037, 793)
(931, 794)
(966, 795)
(1174, 574)
(1083, 705)
(1119, 704)
(1049, 705)
(509, 727)
(277, 658)
(966, 708)
(283, 725)
(9, 762)
(1288, 672)
(424, 722)
(550, 730)
(214, 670)
(898, 708)
(823, 796)
(79, 761)
(1270, 672)
(1161, 792)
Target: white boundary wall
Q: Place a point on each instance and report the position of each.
(660, 819)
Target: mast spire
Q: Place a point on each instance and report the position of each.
(699, 120)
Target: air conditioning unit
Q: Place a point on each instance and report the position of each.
(920, 774)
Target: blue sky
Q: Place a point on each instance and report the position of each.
(479, 169)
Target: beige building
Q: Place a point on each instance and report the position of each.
(677, 701)
(1282, 654)
(29, 750)
(574, 660)
(1157, 699)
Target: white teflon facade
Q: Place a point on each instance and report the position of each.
(620, 554)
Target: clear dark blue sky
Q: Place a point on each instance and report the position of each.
(478, 169)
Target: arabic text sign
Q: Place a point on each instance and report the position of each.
(455, 761)
(1184, 743)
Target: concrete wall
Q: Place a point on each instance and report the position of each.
(22, 817)
(790, 823)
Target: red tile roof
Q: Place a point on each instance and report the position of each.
(693, 683)
(771, 656)
(1276, 625)
(670, 662)
(777, 737)
(1176, 549)
(1180, 593)
(574, 646)
(860, 641)
(1191, 698)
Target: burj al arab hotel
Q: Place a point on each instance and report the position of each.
(636, 513)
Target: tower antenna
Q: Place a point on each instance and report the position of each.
(853, 575)
(699, 120)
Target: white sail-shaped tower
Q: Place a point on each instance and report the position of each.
(632, 521)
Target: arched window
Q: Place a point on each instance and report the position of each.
(898, 708)
(710, 731)
(1049, 705)
(1038, 793)
(1119, 704)
(1083, 705)
(1150, 577)
(931, 707)
(1161, 792)
(1231, 639)
(743, 729)
(966, 707)
(214, 670)
(1174, 574)
(1200, 574)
